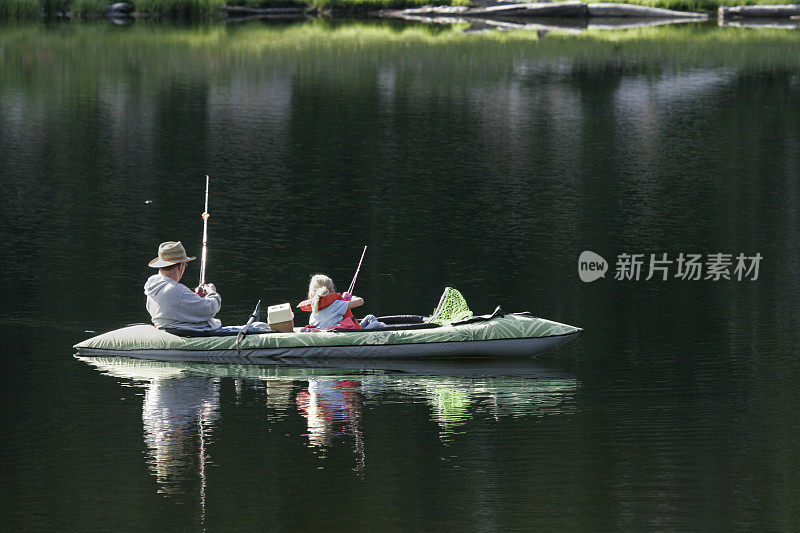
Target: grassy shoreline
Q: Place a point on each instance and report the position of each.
(179, 9)
(91, 50)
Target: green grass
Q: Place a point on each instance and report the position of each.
(155, 48)
(180, 8)
(20, 8)
(169, 8)
(88, 7)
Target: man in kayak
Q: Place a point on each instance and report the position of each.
(172, 304)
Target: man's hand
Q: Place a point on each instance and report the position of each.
(202, 290)
(347, 297)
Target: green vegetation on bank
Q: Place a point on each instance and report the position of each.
(195, 8)
(161, 50)
(86, 7)
(20, 8)
(180, 8)
(206, 8)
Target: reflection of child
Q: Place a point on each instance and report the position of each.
(330, 309)
(329, 405)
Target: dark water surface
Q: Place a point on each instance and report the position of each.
(484, 162)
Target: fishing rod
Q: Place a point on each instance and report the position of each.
(199, 290)
(353, 283)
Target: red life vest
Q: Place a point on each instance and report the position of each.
(348, 321)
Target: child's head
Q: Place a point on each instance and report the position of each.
(320, 285)
(319, 282)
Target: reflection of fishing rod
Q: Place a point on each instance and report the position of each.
(358, 437)
(353, 283)
(199, 290)
(203, 479)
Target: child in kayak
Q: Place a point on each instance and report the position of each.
(329, 309)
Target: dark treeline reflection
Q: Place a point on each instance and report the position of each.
(483, 162)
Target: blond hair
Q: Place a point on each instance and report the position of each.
(320, 285)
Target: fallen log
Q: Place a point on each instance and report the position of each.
(564, 9)
(630, 23)
(632, 10)
(428, 19)
(425, 10)
(574, 26)
(773, 24)
(569, 8)
(767, 12)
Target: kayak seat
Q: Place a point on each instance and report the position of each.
(209, 333)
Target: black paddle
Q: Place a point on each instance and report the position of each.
(253, 317)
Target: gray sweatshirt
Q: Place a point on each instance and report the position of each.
(174, 305)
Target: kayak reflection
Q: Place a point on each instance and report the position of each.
(181, 405)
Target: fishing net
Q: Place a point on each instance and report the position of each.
(452, 306)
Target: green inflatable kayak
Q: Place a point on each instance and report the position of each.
(409, 336)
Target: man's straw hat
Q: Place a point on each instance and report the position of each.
(170, 253)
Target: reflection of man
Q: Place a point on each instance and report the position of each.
(172, 304)
(178, 415)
